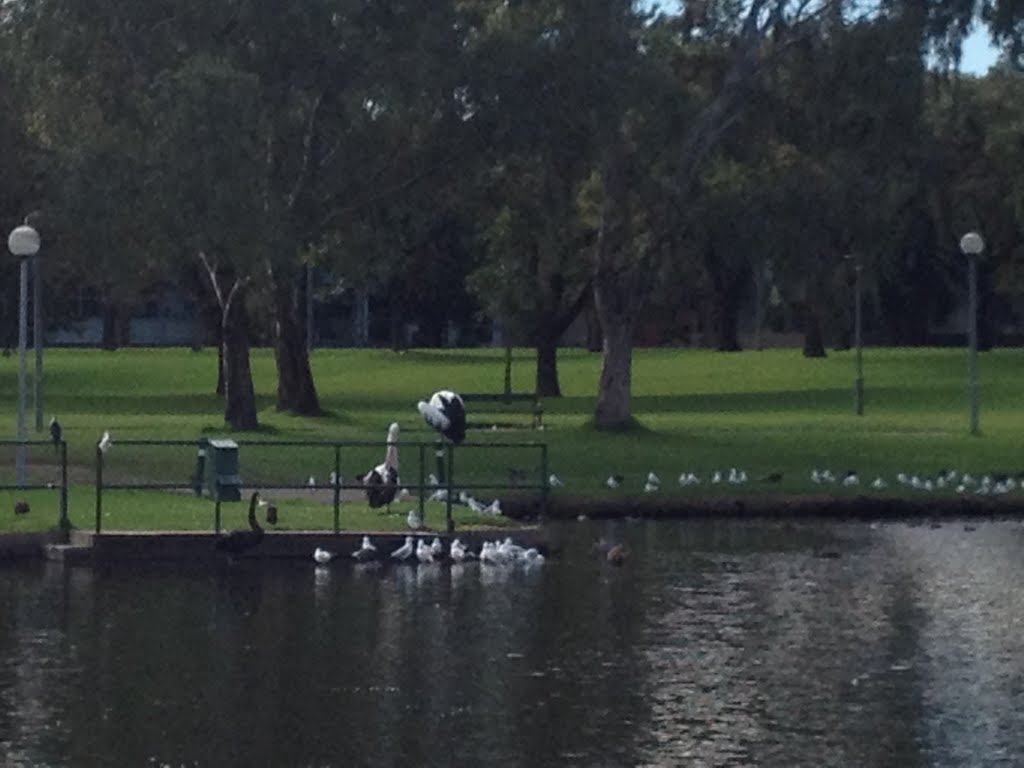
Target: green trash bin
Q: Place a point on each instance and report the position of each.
(223, 480)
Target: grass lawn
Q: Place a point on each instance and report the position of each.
(697, 410)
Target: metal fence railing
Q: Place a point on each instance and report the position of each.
(27, 475)
(260, 461)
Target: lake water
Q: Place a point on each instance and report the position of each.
(716, 644)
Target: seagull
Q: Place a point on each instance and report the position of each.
(614, 481)
(432, 480)
(366, 552)
(650, 487)
(405, 551)
(554, 481)
(458, 552)
(653, 479)
(878, 484)
(446, 413)
(322, 555)
(414, 520)
(56, 432)
(717, 477)
(494, 508)
(851, 479)
(382, 481)
(311, 482)
(436, 547)
(475, 505)
(105, 442)
(424, 552)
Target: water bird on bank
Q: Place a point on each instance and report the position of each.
(236, 542)
(436, 547)
(423, 552)
(614, 481)
(311, 483)
(382, 481)
(271, 508)
(365, 552)
(653, 483)
(878, 483)
(851, 479)
(554, 481)
(56, 432)
(414, 520)
(21, 507)
(446, 413)
(105, 443)
(405, 551)
(322, 556)
(458, 551)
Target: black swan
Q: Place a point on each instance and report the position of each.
(236, 542)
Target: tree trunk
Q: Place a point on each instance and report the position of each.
(220, 362)
(395, 319)
(239, 395)
(614, 394)
(547, 365)
(814, 344)
(111, 327)
(296, 392)
(728, 318)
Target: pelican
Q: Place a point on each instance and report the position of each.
(405, 551)
(322, 555)
(366, 552)
(382, 481)
(105, 442)
(446, 413)
(239, 541)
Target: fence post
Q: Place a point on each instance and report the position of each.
(99, 488)
(216, 512)
(337, 488)
(544, 488)
(64, 524)
(423, 480)
(449, 523)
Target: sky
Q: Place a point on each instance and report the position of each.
(979, 54)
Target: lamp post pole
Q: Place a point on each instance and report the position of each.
(972, 245)
(23, 243)
(858, 381)
(37, 342)
(20, 459)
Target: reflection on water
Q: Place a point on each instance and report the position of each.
(715, 644)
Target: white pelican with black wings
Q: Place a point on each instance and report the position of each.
(446, 413)
(382, 481)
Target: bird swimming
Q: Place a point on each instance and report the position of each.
(236, 542)
(382, 481)
(446, 413)
(322, 555)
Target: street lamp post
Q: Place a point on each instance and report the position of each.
(972, 245)
(23, 243)
(858, 381)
